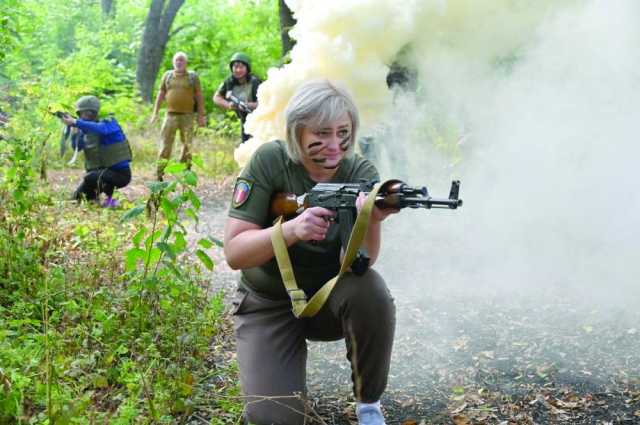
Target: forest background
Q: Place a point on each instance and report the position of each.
(527, 310)
(107, 316)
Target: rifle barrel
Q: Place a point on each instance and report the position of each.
(395, 201)
(445, 203)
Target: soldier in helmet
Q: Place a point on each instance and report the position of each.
(106, 151)
(239, 92)
(181, 88)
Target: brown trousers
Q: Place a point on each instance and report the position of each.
(272, 348)
(171, 124)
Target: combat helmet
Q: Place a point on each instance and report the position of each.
(88, 103)
(240, 57)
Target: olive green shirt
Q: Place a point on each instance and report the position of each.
(270, 171)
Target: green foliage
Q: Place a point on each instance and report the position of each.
(213, 31)
(106, 318)
(65, 51)
(158, 248)
(68, 49)
(214, 152)
(11, 10)
(85, 334)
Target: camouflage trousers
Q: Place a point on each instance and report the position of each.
(172, 123)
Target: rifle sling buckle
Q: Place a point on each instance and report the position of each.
(297, 294)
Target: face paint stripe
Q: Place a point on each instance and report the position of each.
(344, 145)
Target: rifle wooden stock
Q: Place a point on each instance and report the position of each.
(285, 204)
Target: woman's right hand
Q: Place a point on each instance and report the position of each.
(312, 224)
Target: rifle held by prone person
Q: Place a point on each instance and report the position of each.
(341, 198)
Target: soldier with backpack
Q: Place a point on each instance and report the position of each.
(181, 88)
(239, 92)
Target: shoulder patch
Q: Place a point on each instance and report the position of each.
(241, 192)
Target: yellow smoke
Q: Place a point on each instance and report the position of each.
(354, 42)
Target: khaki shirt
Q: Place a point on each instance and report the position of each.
(270, 171)
(180, 91)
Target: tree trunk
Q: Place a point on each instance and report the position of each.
(286, 23)
(108, 8)
(154, 41)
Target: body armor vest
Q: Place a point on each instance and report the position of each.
(97, 155)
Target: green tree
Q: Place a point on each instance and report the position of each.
(108, 7)
(286, 23)
(154, 41)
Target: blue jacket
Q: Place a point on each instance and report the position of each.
(109, 131)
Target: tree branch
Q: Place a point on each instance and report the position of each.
(177, 30)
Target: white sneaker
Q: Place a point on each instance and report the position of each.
(369, 414)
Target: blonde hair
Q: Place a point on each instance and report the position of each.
(316, 104)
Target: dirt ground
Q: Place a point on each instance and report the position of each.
(460, 358)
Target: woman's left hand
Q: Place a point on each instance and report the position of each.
(377, 214)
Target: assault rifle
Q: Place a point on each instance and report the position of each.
(241, 105)
(341, 197)
(59, 114)
(65, 136)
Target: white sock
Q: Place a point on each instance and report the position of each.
(360, 405)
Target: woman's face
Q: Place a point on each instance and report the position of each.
(324, 148)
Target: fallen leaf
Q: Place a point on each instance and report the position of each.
(567, 404)
(459, 409)
(460, 420)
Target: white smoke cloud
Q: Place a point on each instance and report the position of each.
(534, 106)
(544, 95)
(548, 173)
(348, 41)
(355, 41)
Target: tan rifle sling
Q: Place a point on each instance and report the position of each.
(302, 307)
